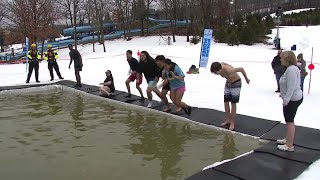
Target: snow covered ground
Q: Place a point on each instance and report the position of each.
(273, 15)
(258, 98)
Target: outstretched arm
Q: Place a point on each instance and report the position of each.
(240, 69)
(70, 62)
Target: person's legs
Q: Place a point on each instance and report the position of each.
(78, 78)
(233, 116)
(36, 70)
(30, 69)
(149, 93)
(278, 76)
(227, 100)
(235, 90)
(50, 67)
(164, 98)
(56, 68)
(228, 114)
(184, 106)
(290, 134)
(152, 87)
(173, 99)
(128, 85)
(289, 113)
(138, 83)
(179, 95)
(302, 82)
(104, 91)
(140, 91)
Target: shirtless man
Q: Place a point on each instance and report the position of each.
(231, 90)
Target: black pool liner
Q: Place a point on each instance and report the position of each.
(304, 137)
(300, 154)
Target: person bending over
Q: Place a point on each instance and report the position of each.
(231, 90)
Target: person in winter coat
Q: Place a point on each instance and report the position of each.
(278, 68)
(301, 63)
(33, 60)
(51, 56)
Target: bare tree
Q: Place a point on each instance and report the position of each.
(139, 12)
(67, 7)
(32, 18)
(148, 2)
(70, 8)
(121, 10)
(1, 11)
(101, 8)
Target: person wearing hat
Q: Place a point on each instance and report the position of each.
(51, 56)
(76, 57)
(301, 63)
(33, 59)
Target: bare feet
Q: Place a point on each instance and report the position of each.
(178, 109)
(225, 123)
(166, 109)
(231, 127)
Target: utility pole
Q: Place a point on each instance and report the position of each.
(277, 38)
(230, 9)
(75, 23)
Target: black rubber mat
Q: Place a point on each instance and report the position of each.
(211, 174)
(300, 154)
(304, 137)
(244, 124)
(113, 94)
(173, 110)
(263, 166)
(84, 87)
(21, 86)
(136, 100)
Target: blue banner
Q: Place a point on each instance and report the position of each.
(205, 48)
(27, 49)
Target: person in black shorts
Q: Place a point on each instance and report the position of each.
(292, 97)
(134, 75)
(108, 85)
(76, 57)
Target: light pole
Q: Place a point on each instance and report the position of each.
(231, 18)
(277, 38)
(75, 23)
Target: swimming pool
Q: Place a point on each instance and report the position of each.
(61, 134)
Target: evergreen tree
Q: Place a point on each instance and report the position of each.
(233, 38)
(247, 35)
(221, 35)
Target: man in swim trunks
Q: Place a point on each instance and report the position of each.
(231, 90)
